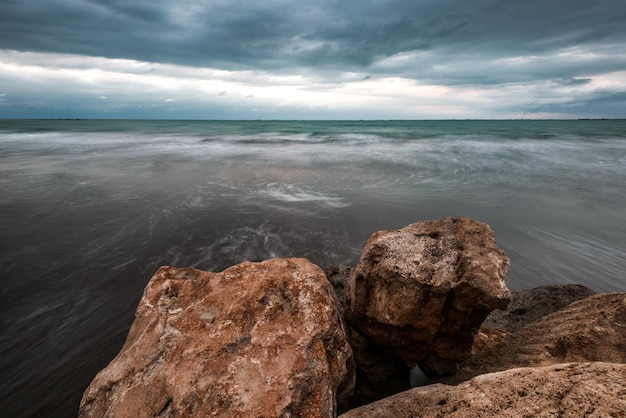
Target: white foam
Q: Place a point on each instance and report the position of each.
(292, 194)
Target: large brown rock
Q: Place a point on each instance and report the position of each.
(591, 329)
(258, 339)
(425, 289)
(379, 371)
(565, 390)
(529, 305)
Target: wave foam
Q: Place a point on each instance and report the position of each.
(294, 194)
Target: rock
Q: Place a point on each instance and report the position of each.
(379, 372)
(526, 306)
(487, 338)
(565, 390)
(258, 339)
(532, 304)
(425, 289)
(339, 278)
(591, 329)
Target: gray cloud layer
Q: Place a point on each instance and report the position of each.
(326, 34)
(444, 42)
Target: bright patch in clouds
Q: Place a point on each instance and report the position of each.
(128, 86)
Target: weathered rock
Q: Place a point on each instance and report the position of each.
(565, 390)
(526, 306)
(258, 339)
(425, 289)
(591, 329)
(486, 339)
(379, 371)
(532, 304)
(339, 278)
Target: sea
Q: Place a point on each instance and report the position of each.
(89, 210)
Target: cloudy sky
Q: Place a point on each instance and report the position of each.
(318, 59)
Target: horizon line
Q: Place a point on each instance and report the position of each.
(312, 120)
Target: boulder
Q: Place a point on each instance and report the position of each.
(339, 278)
(591, 329)
(424, 290)
(564, 390)
(486, 339)
(258, 339)
(526, 306)
(530, 305)
(379, 371)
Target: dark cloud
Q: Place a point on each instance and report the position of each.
(556, 44)
(598, 104)
(327, 34)
(576, 81)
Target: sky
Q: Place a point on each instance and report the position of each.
(318, 59)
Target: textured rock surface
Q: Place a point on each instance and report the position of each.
(532, 304)
(425, 289)
(339, 277)
(380, 372)
(591, 329)
(486, 339)
(565, 390)
(258, 339)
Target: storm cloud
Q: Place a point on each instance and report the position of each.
(282, 58)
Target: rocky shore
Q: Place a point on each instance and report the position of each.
(426, 305)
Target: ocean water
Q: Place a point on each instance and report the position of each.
(90, 209)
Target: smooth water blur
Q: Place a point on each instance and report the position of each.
(90, 209)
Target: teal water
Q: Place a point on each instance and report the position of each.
(89, 209)
(505, 129)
